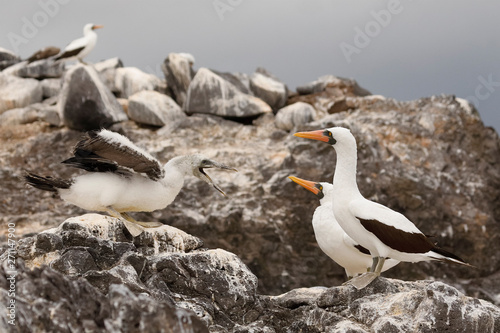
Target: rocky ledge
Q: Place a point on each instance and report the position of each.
(90, 274)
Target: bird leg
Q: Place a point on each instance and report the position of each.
(361, 281)
(132, 226)
(143, 224)
(374, 264)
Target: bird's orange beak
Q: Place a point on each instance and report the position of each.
(315, 135)
(97, 26)
(308, 185)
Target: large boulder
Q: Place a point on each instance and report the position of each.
(178, 71)
(328, 94)
(16, 92)
(42, 69)
(131, 80)
(86, 103)
(7, 58)
(210, 93)
(269, 89)
(154, 108)
(293, 115)
(107, 71)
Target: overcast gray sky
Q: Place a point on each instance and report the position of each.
(402, 49)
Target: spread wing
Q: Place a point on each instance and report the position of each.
(106, 151)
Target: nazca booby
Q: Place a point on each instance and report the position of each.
(124, 178)
(332, 239)
(383, 231)
(81, 47)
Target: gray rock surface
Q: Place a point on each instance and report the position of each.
(16, 92)
(293, 115)
(7, 58)
(86, 103)
(269, 89)
(328, 93)
(51, 87)
(154, 108)
(107, 71)
(210, 93)
(90, 274)
(131, 80)
(178, 71)
(41, 69)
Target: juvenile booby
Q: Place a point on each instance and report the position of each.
(384, 232)
(123, 178)
(332, 239)
(81, 47)
(44, 53)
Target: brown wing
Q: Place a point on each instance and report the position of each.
(71, 53)
(119, 149)
(397, 239)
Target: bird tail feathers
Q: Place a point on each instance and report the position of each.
(444, 255)
(46, 183)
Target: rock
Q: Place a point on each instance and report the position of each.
(7, 58)
(53, 302)
(240, 80)
(328, 93)
(269, 89)
(29, 114)
(321, 84)
(17, 93)
(107, 71)
(210, 93)
(178, 70)
(51, 87)
(290, 116)
(42, 69)
(86, 103)
(131, 80)
(153, 108)
(90, 274)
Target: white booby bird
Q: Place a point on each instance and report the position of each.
(81, 47)
(384, 232)
(332, 239)
(123, 177)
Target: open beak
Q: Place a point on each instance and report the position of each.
(217, 165)
(308, 185)
(315, 135)
(97, 26)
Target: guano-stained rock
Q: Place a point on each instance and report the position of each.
(210, 93)
(16, 92)
(86, 103)
(178, 71)
(154, 108)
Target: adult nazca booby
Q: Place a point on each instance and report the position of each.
(331, 238)
(383, 231)
(81, 47)
(124, 178)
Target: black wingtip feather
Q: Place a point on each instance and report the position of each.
(46, 183)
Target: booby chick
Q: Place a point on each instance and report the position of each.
(124, 178)
(332, 239)
(81, 47)
(383, 231)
